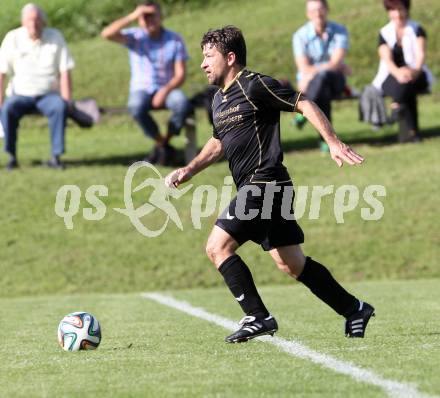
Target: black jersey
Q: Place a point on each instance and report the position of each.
(247, 121)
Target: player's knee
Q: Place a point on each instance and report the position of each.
(284, 267)
(217, 254)
(211, 251)
(293, 267)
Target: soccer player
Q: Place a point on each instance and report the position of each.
(246, 111)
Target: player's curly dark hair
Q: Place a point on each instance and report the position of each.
(394, 4)
(227, 39)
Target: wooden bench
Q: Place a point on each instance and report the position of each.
(403, 134)
(190, 145)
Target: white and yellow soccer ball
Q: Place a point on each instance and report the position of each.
(79, 331)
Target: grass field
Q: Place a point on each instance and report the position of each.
(149, 350)
(38, 255)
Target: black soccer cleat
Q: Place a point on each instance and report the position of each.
(356, 324)
(252, 327)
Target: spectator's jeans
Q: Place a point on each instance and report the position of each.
(139, 105)
(51, 105)
(324, 87)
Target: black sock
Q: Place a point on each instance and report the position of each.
(322, 284)
(239, 279)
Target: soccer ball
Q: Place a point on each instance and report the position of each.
(79, 331)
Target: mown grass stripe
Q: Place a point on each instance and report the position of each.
(393, 388)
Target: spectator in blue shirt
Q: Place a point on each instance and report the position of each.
(158, 67)
(320, 47)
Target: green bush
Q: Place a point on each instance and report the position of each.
(79, 19)
(102, 68)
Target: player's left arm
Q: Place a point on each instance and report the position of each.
(339, 151)
(272, 94)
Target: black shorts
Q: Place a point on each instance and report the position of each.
(253, 216)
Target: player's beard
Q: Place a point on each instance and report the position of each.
(217, 81)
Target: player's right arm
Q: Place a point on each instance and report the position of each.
(113, 31)
(210, 153)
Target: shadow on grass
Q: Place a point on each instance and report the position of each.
(122, 160)
(418, 334)
(366, 136)
(126, 159)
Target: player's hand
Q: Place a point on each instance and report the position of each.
(341, 153)
(159, 98)
(177, 177)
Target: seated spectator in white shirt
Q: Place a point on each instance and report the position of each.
(38, 64)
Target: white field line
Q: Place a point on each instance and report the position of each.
(393, 388)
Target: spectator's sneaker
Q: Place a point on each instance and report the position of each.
(154, 155)
(408, 137)
(300, 121)
(12, 164)
(323, 147)
(54, 163)
(356, 324)
(167, 155)
(252, 327)
(396, 113)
